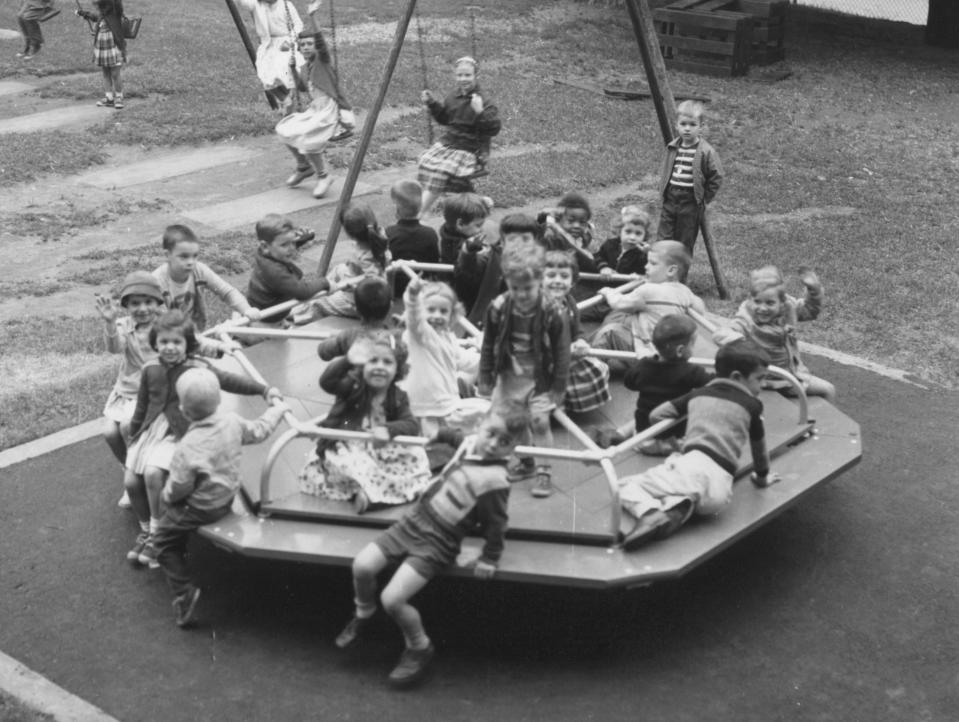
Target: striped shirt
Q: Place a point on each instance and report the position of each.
(683, 166)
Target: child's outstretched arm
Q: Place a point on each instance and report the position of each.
(491, 513)
(257, 430)
(227, 293)
(415, 322)
(107, 308)
(761, 476)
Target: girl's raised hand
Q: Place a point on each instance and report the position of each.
(426, 96)
(476, 103)
(808, 277)
(313, 7)
(107, 308)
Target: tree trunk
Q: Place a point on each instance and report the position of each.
(942, 27)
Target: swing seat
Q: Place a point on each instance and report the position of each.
(464, 184)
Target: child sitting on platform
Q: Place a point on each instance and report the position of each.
(626, 252)
(380, 472)
(463, 217)
(721, 416)
(409, 239)
(472, 491)
(204, 478)
(770, 316)
(573, 229)
(275, 277)
(373, 304)
(629, 327)
(182, 278)
(478, 275)
(526, 349)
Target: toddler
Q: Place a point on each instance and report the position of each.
(690, 177)
(526, 349)
(464, 215)
(373, 303)
(409, 239)
(109, 48)
(721, 416)
(770, 316)
(471, 120)
(629, 327)
(275, 277)
(367, 399)
(472, 491)
(204, 478)
(438, 356)
(626, 252)
(182, 278)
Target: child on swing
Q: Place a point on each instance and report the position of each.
(109, 48)
(367, 399)
(29, 17)
(471, 120)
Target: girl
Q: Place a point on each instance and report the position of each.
(626, 252)
(277, 24)
(328, 117)
(367, 398)
(370, 260)
(769, 318)
(440, 360)
(109, 48)
(471, 121)
(158, 422)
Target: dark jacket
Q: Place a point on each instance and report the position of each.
(410, 240)
(478, 279)
(610, 255)
(659, 380)
(273, 281)
(111, 11)
(465, 130)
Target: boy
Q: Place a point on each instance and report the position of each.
(183, 276)
(473, 490)
(573, 216)
(477, 275)
(721, 416)
(463, 217)
(409, 239)
(629, 326)
(204, 478)
(275, 277)
(373, 303)
(525, 355)
(665, 376)
(690, 177)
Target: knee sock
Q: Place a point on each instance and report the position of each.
(154, 525)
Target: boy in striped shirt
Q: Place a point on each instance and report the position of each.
(690, 177)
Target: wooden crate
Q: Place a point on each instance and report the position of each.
(713, 42)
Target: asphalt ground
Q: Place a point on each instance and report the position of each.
(843, 608)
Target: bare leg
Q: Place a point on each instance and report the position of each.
(116, 80)
(366, 566)
(154, 478)
(406, 582)
(137, 491)
(114, 438)
(429, 198)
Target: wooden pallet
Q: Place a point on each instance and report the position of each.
(707, 41)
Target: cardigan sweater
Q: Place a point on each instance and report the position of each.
(465, 130)
(707, 170)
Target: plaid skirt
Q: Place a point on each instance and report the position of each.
(106, 54)
(588, 384)
(439, 163)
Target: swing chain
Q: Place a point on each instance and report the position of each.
(297, 104)
(421, 37)
(336, 57)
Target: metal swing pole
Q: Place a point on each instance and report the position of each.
(364, 142)
(248, 44)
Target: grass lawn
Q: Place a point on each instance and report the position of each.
(849, 165)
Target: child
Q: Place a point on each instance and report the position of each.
(437, 356)
(526, 350)
(182, 277)
(367, 398)
(373, 303)
(277, 24)
(574, 216)
(629, 327)
(770, 316)
(721, 416)
(204, 478)
(477, 276)
(588, 385)
(626, 252)
(29, 17)
(409, 239)
(109, 48)
(665, 376)
(371, 259)
(463, 217)
(690, 177)
(471, 120)
(141, 297)
(473, 490)
(275, 277)
(157, 421)
(329, 116)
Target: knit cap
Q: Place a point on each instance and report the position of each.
(140, 283)
(199, 392)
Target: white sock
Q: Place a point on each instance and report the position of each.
(145, 526)
(154, 525)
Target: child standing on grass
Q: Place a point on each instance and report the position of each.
(472, 491)
(182, 278)
(380, 472)
(204, 478)
(769, 317)
(634, 315)
(409, 239)
(373, 304)
(158, 422)
(721, 417)
(437, 355)
(371, 257)
(109, 48)
(526, 350)
(29, 17)
(141, 297)
(690, 177)
(275, 277)
(471, 121)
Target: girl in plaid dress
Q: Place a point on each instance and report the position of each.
(471, 120)
(109, 48)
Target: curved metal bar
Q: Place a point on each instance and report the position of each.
(323, 432)
(599, 298)
(302, 334)
(573, 429)
(645, 435)
(797, 387)
(624, 278)
(424, 267)
(234, 323)
(266, 471)
(616, 509)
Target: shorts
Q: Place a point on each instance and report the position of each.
(522, 389)
(418, 541)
